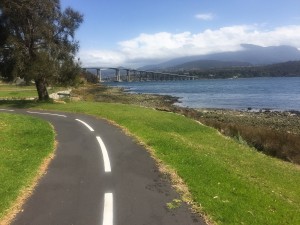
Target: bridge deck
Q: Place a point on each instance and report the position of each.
(140, 75)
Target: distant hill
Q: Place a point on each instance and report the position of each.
(251, 54)
(286, 69)
(291, 68)
(207, 64)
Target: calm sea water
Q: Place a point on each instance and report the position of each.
(257, 93)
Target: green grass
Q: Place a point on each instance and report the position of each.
(20, 92)
(24, 143)
(13, 91)
(233, 183)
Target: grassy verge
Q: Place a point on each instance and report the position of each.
(13, 91)
(20, 92)
(22, 151)
(232, 183)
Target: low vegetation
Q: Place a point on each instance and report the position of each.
(278, 144)
(21, 154)
(273, 133)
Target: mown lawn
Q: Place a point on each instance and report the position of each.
(232, 183)
(13, 91)
(24, 144)
(20, 92)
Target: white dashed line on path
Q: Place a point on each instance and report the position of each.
(108, 197)
(108, 209)
(50, 114)
(84, 123)
(107, 167)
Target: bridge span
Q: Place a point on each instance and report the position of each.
(138, 75)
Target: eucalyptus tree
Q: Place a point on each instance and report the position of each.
(37, 42)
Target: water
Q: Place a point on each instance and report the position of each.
(256, 93)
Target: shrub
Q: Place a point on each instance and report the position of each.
(275, 143)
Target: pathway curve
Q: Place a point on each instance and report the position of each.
(99, 176)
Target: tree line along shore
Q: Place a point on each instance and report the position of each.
(285, 69)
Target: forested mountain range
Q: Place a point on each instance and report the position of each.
(287, 69)
(251, 61)
(249, 55)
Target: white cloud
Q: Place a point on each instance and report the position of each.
(205, 16)
(152, 48)
(101, 57)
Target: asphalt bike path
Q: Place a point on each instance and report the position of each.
(99, 176)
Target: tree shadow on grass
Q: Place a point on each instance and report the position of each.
(22, 104)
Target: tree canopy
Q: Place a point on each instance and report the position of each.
(37, 42)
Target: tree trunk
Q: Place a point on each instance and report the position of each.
(41, 87)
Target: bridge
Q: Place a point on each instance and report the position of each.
(138, 75)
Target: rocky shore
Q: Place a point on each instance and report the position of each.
(287, 121)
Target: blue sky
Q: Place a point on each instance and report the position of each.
(138, 32)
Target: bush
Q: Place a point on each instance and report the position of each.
(274, 143)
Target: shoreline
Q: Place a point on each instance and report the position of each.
(211, 95)
(167, 102)
(177, 103)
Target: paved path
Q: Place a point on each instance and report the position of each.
(100, 177)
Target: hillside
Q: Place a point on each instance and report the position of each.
(288, 69)
(208, 64)
(250, 54)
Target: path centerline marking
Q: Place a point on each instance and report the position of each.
(84, 123)
(107, 167)
(50, 114)
(108, 209)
